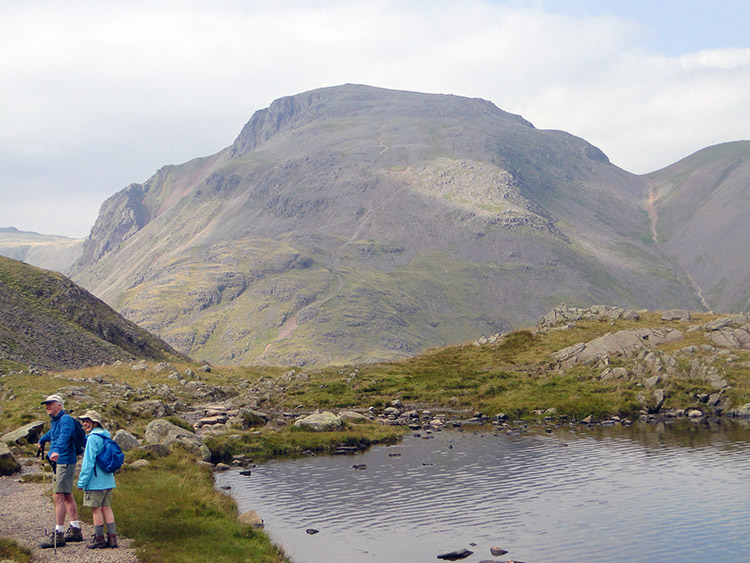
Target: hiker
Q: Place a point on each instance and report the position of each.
(62, 457)
(97, 484)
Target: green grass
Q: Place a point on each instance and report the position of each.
(10, 550)
(174, 514)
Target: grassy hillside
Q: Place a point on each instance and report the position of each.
(46, 321)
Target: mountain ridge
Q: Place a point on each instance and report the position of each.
(355, 223)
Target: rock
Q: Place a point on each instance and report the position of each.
(353, 417)
(312, 531)
(251, 518)
(694, 413)
(163, 432)
(8, 462)
(126, 440)
(153, 408)
(222, 467)
(252, 418)
(741, 411)
(675, 315)
(212, 420)
(625, 343)
(455, 555)
(497, 551)
(28, 433)
(138, 463)
(320, 422)
(735, 338)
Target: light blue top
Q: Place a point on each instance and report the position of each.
(88, 480)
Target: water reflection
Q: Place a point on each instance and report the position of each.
(656, 492)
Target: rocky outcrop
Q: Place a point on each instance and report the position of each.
(29, 434)
(730, 332)
(163, 433)
(625, 343)
(562, 314)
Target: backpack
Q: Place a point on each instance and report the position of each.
(110, 459)
(79, 436)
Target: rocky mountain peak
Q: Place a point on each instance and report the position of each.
(357, 100)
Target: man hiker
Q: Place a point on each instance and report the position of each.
(62, 456)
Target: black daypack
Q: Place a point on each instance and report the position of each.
(79, 437)
(110, 459)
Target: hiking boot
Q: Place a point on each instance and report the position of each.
(56, 539)
(111, 540)
(73, 534)
(97, 543)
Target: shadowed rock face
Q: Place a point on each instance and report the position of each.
(360, 224)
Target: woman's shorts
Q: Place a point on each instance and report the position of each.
(97, 499)
(63, 479)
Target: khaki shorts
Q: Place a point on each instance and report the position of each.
(64, 477)
(97, 499)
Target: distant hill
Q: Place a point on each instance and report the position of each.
(355, 223)
(52, 252)
(702, 206)
(47, 321)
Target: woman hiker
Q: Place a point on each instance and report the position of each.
(96, 483)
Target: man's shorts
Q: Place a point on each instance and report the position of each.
(97, 499)
(64, 476)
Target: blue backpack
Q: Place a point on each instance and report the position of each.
(110, 459)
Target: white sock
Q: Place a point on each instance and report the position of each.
(75, 523)
(59, 528)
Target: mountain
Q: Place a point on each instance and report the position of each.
(47, 321)
(52, 252)
(355, 223)
(701, 206)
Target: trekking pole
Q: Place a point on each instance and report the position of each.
(40, 452)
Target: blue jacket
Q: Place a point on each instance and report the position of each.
(60, 437)
(88, 480)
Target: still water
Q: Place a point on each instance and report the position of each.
(646, 492)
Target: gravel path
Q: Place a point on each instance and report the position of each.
(26, 510)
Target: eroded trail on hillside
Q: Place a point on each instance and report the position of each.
(653, 215)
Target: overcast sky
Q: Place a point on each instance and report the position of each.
(97, 95)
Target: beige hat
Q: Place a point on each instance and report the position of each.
(93, 416)
(53, 398)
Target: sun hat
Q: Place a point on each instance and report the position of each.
(93, 416)
(52, 399)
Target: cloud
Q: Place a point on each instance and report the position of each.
(96, 96)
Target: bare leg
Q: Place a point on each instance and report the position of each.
(109, 516)
(72, 507)
(96, 514)
(60, 509)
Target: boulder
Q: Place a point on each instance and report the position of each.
(8, 462)
(126, 440)
(29, 433)
(320, 422)
(741, 411)
(353, 416)
(675, 315)
(251, 518)
(728, 337)
(164, 433)
(251, 418)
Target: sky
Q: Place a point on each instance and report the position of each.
(95, 96)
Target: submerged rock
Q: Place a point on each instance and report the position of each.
(455, 555)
